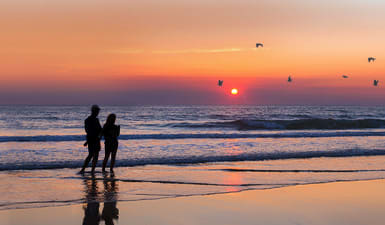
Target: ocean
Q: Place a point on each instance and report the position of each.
(172, 151)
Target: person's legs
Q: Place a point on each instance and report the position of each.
(106, 156)
(86, 162)
(113, 157)
(94, 148)
(94, 160)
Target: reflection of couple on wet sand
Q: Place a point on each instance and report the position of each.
(91, 209)
(94, 131)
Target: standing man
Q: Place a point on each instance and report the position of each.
(93, 130)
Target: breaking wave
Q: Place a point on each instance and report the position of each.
(299, 124)
(316, 134)
(199, 159)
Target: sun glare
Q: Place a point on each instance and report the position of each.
(234, 91)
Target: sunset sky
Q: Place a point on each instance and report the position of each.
(174, 51)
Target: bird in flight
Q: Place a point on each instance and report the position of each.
(220, 83)
(345, 76)
(375, 82)
(259, 45)
(371, 59)
(289, 79)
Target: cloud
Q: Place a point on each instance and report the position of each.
(127, 51)
(185, 51)
(189, 51)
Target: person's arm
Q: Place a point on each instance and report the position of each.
(86, 129)
(86, 126)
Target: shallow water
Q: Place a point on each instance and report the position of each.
(53, 187)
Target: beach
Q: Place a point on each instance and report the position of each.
(350, 203)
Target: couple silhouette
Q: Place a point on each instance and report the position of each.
(95, 132)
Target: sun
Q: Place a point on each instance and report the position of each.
(234, 91)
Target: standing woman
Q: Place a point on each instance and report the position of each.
(110, 132)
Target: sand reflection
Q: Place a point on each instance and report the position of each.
(94, 196)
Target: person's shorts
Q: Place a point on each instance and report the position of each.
(94, 146)
(111, 146)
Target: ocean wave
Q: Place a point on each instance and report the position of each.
(63, 138)
(199, 159)
(298, 124)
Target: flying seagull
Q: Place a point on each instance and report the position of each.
(289, 79)
(220, 83)
(259, 45)
(371, 59)
(375, 82)
(345, 76)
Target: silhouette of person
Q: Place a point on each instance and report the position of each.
(110, 132)
(93, 130)
(110, 211)
(91, 210)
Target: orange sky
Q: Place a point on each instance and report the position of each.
(95, 46)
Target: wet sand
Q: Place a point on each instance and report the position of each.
(350, 203)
